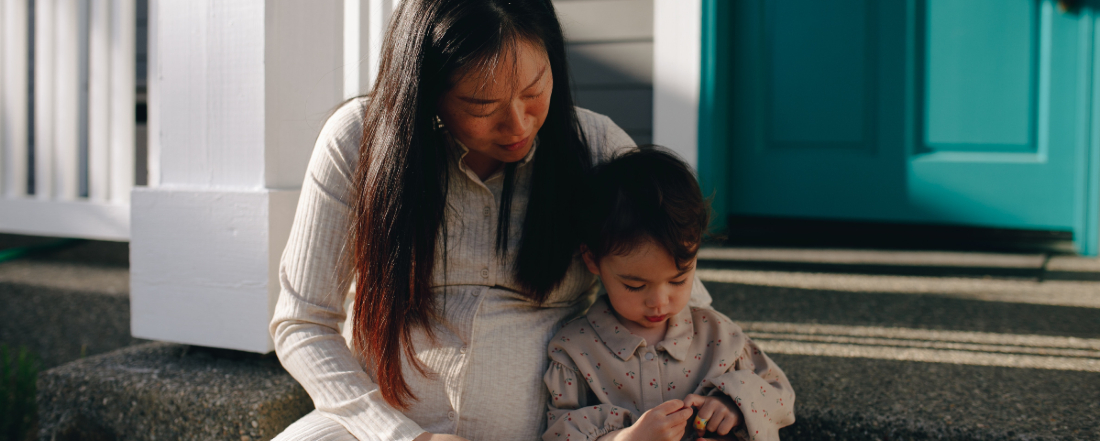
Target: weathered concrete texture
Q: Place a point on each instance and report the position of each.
(743, 302)
(1073, 268)
(863, 399)
(64, 310)
(893, 262)
(163, 391)
(69, 250)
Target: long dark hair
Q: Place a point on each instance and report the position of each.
(402, 176)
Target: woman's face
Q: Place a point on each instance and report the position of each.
(497, 114)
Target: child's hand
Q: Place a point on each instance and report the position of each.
(666, 422)
(717, 413)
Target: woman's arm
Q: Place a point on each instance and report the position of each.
(315, 280)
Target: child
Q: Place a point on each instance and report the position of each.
(641, 362)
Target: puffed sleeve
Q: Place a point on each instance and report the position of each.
(315, 280)
(570, 415)
(760, 389)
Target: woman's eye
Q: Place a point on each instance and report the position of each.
(481, 112)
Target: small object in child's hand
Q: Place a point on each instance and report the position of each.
(700, 424)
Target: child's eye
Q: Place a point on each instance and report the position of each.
(633, 288)
(678, 283)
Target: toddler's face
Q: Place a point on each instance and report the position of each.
(644, 287)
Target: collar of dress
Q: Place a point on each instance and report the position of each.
(623, 343)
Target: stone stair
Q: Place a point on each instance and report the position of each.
(68, 302)
(878, 345)
(922, 345)
(64, 299)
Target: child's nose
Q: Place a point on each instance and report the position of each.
(657, 300)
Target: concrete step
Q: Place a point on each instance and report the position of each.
(1038, 266)
(900, 352)
(163, 391)
(66, 301)
(876, 345)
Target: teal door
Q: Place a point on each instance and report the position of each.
(950, 112)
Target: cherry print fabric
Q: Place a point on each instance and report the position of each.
(603, 378)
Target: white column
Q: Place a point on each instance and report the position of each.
(356, 43)
(677, 52)
(152, 94)
(99, 101)
(123, 50)
(379, 18)
(3, 114)
(44, 86)
(13, 98)
(242, 89)
(67, 91)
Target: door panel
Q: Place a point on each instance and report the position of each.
(818, 78)
(988, 156)
(980, 75)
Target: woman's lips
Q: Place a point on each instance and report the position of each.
(656, 318)
(516, 146)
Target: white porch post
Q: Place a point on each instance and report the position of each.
(242, 90)
(677, 53)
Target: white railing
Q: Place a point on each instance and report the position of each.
(83, 133)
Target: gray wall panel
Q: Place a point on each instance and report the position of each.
(610, 50)
(612, 65)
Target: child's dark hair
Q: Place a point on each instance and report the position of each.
(645, 193)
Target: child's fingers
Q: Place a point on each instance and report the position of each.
(693, 400)
(681, 416)
(728, 424)
(710, 412)
(669, 407)
(715, 421)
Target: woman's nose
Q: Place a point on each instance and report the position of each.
(515, 120)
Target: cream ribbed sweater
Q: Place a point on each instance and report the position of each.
(490, 353)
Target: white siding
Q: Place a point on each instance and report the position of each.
(610, 48)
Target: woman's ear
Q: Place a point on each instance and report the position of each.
(589, 260)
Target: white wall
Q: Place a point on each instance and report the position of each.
(677, 57)
(610, 48)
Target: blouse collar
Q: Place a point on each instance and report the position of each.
(462, 151)
(623, 343)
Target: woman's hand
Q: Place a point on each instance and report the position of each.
(719, 412)
(666, 422)
(438, 437)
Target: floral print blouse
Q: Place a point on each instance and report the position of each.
(603, 378)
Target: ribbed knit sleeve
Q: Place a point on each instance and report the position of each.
(315, 280)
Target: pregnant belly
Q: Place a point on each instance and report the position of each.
(488, 373)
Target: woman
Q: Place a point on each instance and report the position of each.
(447, 196)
